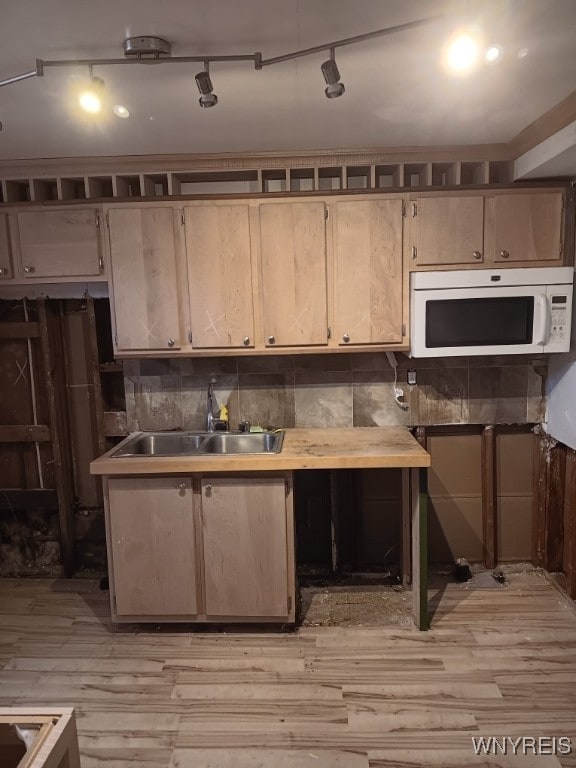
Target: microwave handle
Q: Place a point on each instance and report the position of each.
(542, 327)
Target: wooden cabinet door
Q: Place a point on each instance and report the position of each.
(218, 251)
(144, 278)
(293, 273)
(527, 227)
(151, 542)
(368, 271)
(245, 547)
(5, 261)
(59, 243)
(449, 230)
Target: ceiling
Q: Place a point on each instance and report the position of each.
(397, 93)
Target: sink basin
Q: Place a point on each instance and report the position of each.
(198, 443)
(252, 442)
(162, 444)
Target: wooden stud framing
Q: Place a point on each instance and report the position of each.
(334, 526)
(555, 508)
(19, 330)
(570, 529)
(489, 498)
(406, 559)
(549, 489)
(52, 356)
(91, 341)
(29, 433)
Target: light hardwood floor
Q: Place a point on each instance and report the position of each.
(498, 662)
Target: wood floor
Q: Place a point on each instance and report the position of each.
(496, 663)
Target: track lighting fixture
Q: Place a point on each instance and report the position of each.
(332, 76)
(157, 51)
(204, 83)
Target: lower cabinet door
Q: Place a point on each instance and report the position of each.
(151, 544)
(245, 547)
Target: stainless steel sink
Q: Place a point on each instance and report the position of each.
(252, 442)
(197, 443)
(162, 444)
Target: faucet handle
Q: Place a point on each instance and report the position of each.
(244, 426)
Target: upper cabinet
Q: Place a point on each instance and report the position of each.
(367, 238)
(5, 260)
(527, 227)
(449, 230)
(144, 250)
(219, 253)
(293, 273)
(58, 243)
(523, 228)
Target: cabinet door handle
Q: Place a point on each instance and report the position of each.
(346, 338)
(246, 340)
(208, 490)
(182, 486)
(504, 254)
(271, 339)
(171, 342)
(3, 271)
(477, 255)
(28, 270)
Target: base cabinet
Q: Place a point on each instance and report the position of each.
(201, 548)
(151, 547)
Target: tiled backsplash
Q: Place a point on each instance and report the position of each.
(338, 390)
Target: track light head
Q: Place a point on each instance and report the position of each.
(332, 76)
(204, 83)
(90, 99)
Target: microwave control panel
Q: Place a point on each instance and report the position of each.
(559, 328)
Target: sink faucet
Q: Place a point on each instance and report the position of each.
(213, 422)
(210, 408)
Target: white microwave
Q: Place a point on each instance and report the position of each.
(491, 312)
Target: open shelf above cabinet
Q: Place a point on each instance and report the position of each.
(321, 176)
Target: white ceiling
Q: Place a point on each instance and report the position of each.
(397, 93)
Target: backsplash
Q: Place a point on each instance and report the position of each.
(338, 390)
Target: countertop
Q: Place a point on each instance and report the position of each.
(323, 448)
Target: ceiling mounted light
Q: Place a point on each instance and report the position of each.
(493, 54)
(331, 73)
(91, 97)
(120, 111)
(204, 83)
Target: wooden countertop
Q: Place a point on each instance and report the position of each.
(327, 448)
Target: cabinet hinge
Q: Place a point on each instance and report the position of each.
(190, 337)
(116, 339)
(414, 252)
(182, 217)
(414, 210)
(108, 220)
(289, 603)
(403, 329)
(98, 221)
(101, 264)
(403, 208)
(286, 487)
(329, 333)
(326, 213)
(115, 603)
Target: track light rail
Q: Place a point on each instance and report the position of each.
(256, 57)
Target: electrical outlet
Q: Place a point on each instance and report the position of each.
(412, 377)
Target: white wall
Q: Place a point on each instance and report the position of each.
(561, 391)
